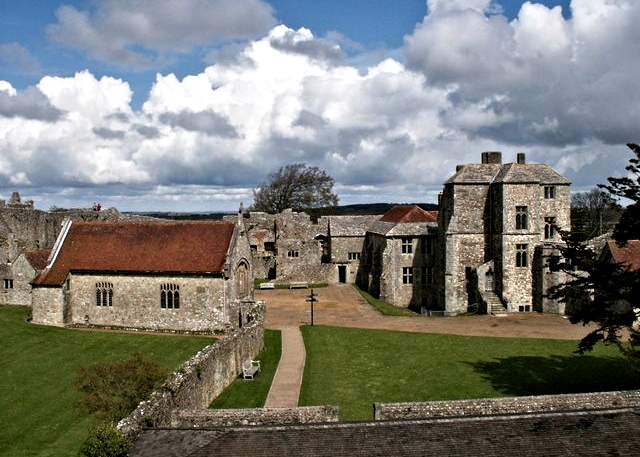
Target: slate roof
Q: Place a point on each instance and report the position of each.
(141, 247)
(37, 257)
(584, 433)
(629, 254)
(507, 173)
(350, 225)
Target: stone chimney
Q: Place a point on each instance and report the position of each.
(521, 158)
(492, 157)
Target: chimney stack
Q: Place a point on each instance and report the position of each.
(492, 157)
(521, 158)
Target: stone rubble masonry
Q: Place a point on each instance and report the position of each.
(507, 405)
(206, 418)
(200, 379)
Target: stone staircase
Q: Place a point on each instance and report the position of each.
(494, 304)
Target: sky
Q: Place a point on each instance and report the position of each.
(187, 105)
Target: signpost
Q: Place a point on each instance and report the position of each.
(311, 298)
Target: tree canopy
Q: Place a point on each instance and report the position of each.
(603, 293)
(593, 213)
(297, 186)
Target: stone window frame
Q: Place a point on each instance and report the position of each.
(169, 296)
(407, 275)
(104, 294)
(549, 227)
(524, 308)
(353, 256)
(407, 245)
(427, 246)
(549, 192)
(522, 255)
(522, 217)
(293, 253)
(8, 283)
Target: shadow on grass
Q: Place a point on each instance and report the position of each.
(527, 375)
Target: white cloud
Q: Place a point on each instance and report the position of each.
(473, 81)
(140, 32)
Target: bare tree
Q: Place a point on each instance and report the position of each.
(593, 213)
(295, 186)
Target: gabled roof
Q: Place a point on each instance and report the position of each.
(629, 254)
(37, 257)
(140, 247)
(507, 173)
(403, 214)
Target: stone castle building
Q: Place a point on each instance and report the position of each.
(484, 249)
(193, 276)
(497, 222)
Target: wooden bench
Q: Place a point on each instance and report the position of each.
(298, 285)
(250, 368)
(267, 285)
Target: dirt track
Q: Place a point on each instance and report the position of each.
(341, 305)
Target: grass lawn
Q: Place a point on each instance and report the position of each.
(38, 367)
(355, 368)
(253, 394)
(385, 308)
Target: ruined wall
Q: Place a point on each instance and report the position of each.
(507, 405)
(205, 418)
(202, 378)
(346, 251)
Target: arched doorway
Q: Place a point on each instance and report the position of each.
(242, 280)
(488, 281)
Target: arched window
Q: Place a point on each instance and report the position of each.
(170, 296)
(242, 280)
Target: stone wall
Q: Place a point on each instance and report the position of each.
(204, 305)
(204, 418)
(21, 273)
(507, 405)
(202, 378)
(51, 311)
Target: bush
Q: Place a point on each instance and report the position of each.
(105, 440)
(112, 390)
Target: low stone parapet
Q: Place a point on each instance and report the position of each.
(507, 405)
(206, 418)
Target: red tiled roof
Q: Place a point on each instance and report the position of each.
(37, 257)
(151, 247)
(409, 213)
(629, 254)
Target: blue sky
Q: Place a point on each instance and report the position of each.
(187, 105)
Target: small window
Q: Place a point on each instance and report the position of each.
(104, 294)
(549, 228)
(170, 296)
(292, 254)
(407, 275)
(522, 218)
(353, 256)
(269, 246)
(524, 308)
(521, 255)
(8, 283)
(427, 245)
(427, 275)
(407, 245)
(549, 192)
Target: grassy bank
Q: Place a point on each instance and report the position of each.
(252, 394)
(39, 365)
(355, 368)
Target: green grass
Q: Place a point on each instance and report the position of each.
(253, 394)
(385, 308)
(355, 368)
(38, 368)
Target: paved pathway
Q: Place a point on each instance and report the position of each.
(285, 388)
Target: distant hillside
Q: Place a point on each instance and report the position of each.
(361, 209)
